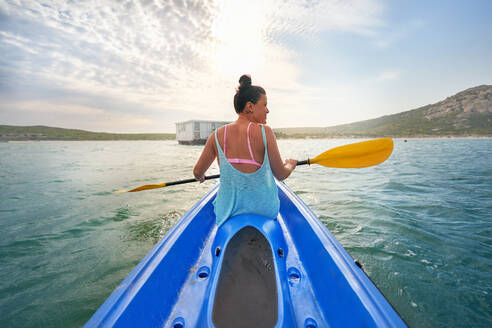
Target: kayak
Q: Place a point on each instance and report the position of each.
(251, 271)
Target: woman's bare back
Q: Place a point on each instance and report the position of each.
(237, 145)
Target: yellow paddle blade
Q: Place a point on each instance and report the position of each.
(146, 187)
(360, 154)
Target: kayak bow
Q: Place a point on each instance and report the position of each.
(249, 272)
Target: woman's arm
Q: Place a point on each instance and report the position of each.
(281, 170)
(206, 159)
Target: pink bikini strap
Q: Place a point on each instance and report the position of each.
(249, 144)
(240, 160)
(243, 161)
(225, 133)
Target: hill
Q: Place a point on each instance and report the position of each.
(467, 113)
(13, 133)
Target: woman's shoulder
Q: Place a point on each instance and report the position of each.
(260, 126)
(268, 130)
(220, 129)
(258, 134)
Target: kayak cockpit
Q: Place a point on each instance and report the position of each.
(247, 287)
(246, 294)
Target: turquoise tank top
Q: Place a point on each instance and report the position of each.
(241, 193)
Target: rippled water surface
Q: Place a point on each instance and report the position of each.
(420, 223)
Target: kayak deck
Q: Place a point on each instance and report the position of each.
(249, 272)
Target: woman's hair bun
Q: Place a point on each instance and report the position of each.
(246, 93)
(244, 82)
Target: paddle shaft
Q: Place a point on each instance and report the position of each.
(173, 183)
(215, 176)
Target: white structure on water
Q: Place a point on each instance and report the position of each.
(196, 132)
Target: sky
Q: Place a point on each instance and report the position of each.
(140, 66)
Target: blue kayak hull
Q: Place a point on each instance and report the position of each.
(181, 281)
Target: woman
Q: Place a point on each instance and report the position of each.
(248, 158)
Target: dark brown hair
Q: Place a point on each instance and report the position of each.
(246, 92)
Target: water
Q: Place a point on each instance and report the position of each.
(420, 223)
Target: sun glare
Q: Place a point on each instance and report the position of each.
(239, 40)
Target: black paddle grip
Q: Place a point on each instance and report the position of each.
(303, 162)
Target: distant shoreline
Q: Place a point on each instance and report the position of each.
(44, 133)
(279, 138)
(393, 137)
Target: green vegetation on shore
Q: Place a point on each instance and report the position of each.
(19, 133)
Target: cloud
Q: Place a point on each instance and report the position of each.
(388, 76)
(387, 37)
(308, 18)
(167, 60)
